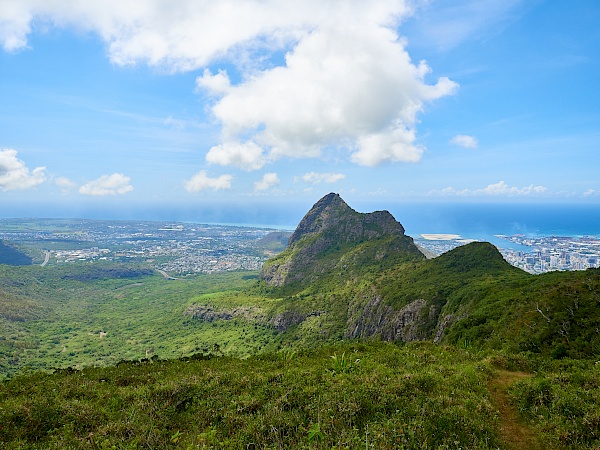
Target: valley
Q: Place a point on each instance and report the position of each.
(348, 338)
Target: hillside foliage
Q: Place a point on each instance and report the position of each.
(113, 355)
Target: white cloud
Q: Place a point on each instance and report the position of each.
(591, 193)
(495, 189)
(246, 156)
(188, 34)
(217, 84)
(14, 174)
(501, 188)
(347, 81)
(316, 178)
(343, 87)
(464, 140)
(65, 184)
(268, 180)
(201, 181)
(114, 184)
(15, 19)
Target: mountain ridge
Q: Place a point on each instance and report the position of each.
(334, 284)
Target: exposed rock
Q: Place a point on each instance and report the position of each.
(388, 324)
(208, 313)
(444, 323)
(287, 319)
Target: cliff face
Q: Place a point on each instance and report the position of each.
(332, 214)
(334, 236)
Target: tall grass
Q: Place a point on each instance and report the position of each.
(418, 396)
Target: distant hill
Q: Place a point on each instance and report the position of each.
(13, 257)
(276, 241)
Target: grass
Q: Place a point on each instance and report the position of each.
(417, 396)
(562, 402)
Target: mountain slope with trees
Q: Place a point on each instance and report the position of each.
(346, 274)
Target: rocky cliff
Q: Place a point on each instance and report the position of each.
(332, 237)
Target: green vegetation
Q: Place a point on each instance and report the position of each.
(563, 402)
(11, 256)
(384, 396)
(99, 314)
(110, 355)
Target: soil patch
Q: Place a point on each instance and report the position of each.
(514, 433)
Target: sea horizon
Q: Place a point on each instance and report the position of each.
(478, 221)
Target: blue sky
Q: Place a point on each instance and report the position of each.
(124, 107)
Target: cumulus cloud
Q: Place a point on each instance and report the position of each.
(316, 178)
(246, 156)
(267, 181)
(190, 34)
(495, 189)
(464, 140)
(344, 87)
(115, 184)
(591, 193)
(14, 174)
(347, 80)
(201, 181)
(217, 84)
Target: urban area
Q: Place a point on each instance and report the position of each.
(173, 249)
(537, 254)
(179, 249)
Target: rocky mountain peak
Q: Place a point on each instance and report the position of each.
(333, 213)
(333, 235)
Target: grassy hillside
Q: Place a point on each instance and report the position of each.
(354, 396)
(468, 297)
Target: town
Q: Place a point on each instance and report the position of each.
(173, 249)
(538, 254)
(549, 253)
(179, 249)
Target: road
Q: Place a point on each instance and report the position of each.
(46, 259)
(165, 275)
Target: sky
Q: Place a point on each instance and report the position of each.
(185, 109)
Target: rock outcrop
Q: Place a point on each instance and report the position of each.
(334, 236)
(388, 324)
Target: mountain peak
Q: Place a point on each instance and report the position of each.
(332, 212)
(328, 233)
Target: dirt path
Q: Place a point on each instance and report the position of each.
(514, 433)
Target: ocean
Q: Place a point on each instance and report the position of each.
(485, 221)
(469, 220)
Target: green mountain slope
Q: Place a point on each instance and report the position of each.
(352, 275)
